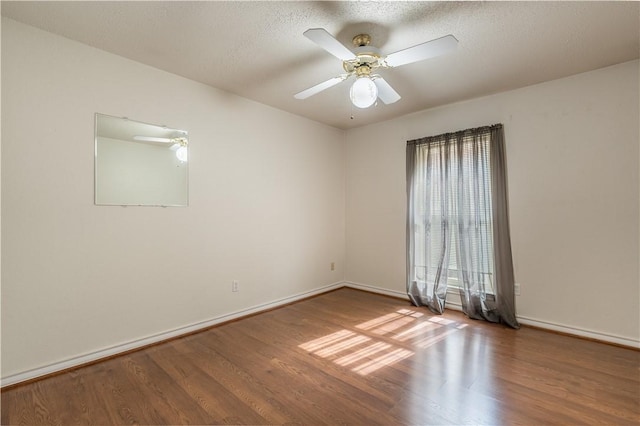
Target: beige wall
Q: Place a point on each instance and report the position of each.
(572, 153)
(266, 205)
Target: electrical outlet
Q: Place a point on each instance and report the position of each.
(234, 286)
(516, 289)
(333, 266)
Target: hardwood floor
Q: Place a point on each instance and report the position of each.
(346, 357)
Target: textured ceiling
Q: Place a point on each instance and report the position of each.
(257, 50)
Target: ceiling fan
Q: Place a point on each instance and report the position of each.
(179, 145)
(365, 60)
(159, 140)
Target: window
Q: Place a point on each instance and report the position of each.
(437, 212)
(456, 184)
(452, 222)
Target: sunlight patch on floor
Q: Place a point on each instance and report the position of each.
(378, 321)
(383, 361)
(441, 320)
(362, 353)
(342, 346)
(425, 343)
(415, 331)
(366, 354)
(326, 340)
(393, 325)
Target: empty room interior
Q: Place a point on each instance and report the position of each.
(320, 212)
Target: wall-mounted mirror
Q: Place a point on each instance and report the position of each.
(139, 164)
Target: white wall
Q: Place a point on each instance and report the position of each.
(572, 153)
(266, 205)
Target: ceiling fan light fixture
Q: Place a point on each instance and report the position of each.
(363, 92)
(182, 153)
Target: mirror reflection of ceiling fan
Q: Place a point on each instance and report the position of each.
(179, 145)
(365, 60)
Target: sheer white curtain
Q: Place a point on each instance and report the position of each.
(457, 223)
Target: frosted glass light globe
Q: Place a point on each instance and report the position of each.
(363, 92)
(182, 154)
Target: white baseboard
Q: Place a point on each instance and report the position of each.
(159, 337)
(590, 334)
(547, 325)
(374, 289)
(138, 343)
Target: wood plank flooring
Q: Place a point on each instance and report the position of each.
(346, 357)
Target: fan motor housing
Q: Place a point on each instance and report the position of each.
(366, 56)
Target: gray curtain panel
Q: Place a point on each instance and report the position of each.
(458, 225)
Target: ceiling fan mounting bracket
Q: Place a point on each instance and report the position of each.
(361, 40)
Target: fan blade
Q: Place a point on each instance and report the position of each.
(322, 38)
(151, 139)
(423, 51)
(386, 93)
(319, 87)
